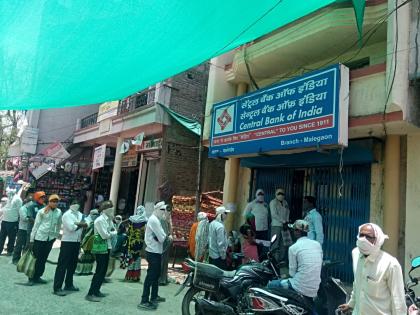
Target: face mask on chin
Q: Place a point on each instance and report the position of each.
(365, 247)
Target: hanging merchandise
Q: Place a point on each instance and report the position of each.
(67, 167)
(138, 140)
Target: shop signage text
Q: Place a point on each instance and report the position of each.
(304, 112)
(129, 159)
(99, 157)
(149, 145)
(107, 110)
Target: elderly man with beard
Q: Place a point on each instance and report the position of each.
(218, 241)
(378, 286)
(154, 238)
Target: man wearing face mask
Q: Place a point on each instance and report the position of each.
(259, 210)
(45, 231)
(218, 241)
(10, 222)
(155, 236)
(104, 228)
(314, 218)
(378, 286)
(69, 251)
(279, 210)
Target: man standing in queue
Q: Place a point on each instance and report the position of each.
(69, 250)
(44, 233)
(155, 236)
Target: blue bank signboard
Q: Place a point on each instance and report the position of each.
(308, 111)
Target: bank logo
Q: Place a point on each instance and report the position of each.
(224, 119)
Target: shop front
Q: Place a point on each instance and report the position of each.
(294, 135)
(343, 191)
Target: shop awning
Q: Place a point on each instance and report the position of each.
(75, 52)
(188, 123)
(355, 153)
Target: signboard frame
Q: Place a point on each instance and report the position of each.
(308, 111)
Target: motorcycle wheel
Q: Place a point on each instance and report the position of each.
(188, 299)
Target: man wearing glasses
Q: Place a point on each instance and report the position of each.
(45, 231)
(378, 286)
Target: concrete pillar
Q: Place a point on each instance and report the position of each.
(392, 193)
(230, 185)
(116, 174)
(412, 220)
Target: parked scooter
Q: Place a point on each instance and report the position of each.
(284, 301)
(215, 291)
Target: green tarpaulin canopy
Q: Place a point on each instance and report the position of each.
(60, 53)
(190, 124)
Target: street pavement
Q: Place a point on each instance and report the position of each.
(123, 297)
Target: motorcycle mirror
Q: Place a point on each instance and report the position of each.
(415, 263)
(274, 238)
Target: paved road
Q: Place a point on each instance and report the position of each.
(123, 297)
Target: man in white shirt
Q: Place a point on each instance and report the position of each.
(45, 231)
(69, 250)
(314, 218)
(280, 212)
(155, 236)
(218, 241)
(258, 210)
(378, 286)
(10, 222)
(305, 263)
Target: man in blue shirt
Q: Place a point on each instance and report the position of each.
(314, 218)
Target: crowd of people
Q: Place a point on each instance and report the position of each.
(99, 237)
(378, 286)
(33, 224)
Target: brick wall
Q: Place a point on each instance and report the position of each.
(188, 94)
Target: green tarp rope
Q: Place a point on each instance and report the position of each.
(59, 53)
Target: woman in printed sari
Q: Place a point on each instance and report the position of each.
(135, 233)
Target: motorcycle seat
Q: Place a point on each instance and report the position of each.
(213, 271)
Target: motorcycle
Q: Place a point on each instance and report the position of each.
(413, 302)
(331, 293)
(215, 291)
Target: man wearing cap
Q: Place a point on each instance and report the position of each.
(314, 218)
(218, 241)
(258, 209)
(32, 207)
(154, 238)
(279, 210)
(305, 262)
(44, 233)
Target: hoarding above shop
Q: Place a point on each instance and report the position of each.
(308, 111)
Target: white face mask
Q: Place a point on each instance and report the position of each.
(74, 208)
(260, 198)
(365, 247)
(109, 212)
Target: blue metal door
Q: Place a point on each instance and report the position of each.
(343, 199)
